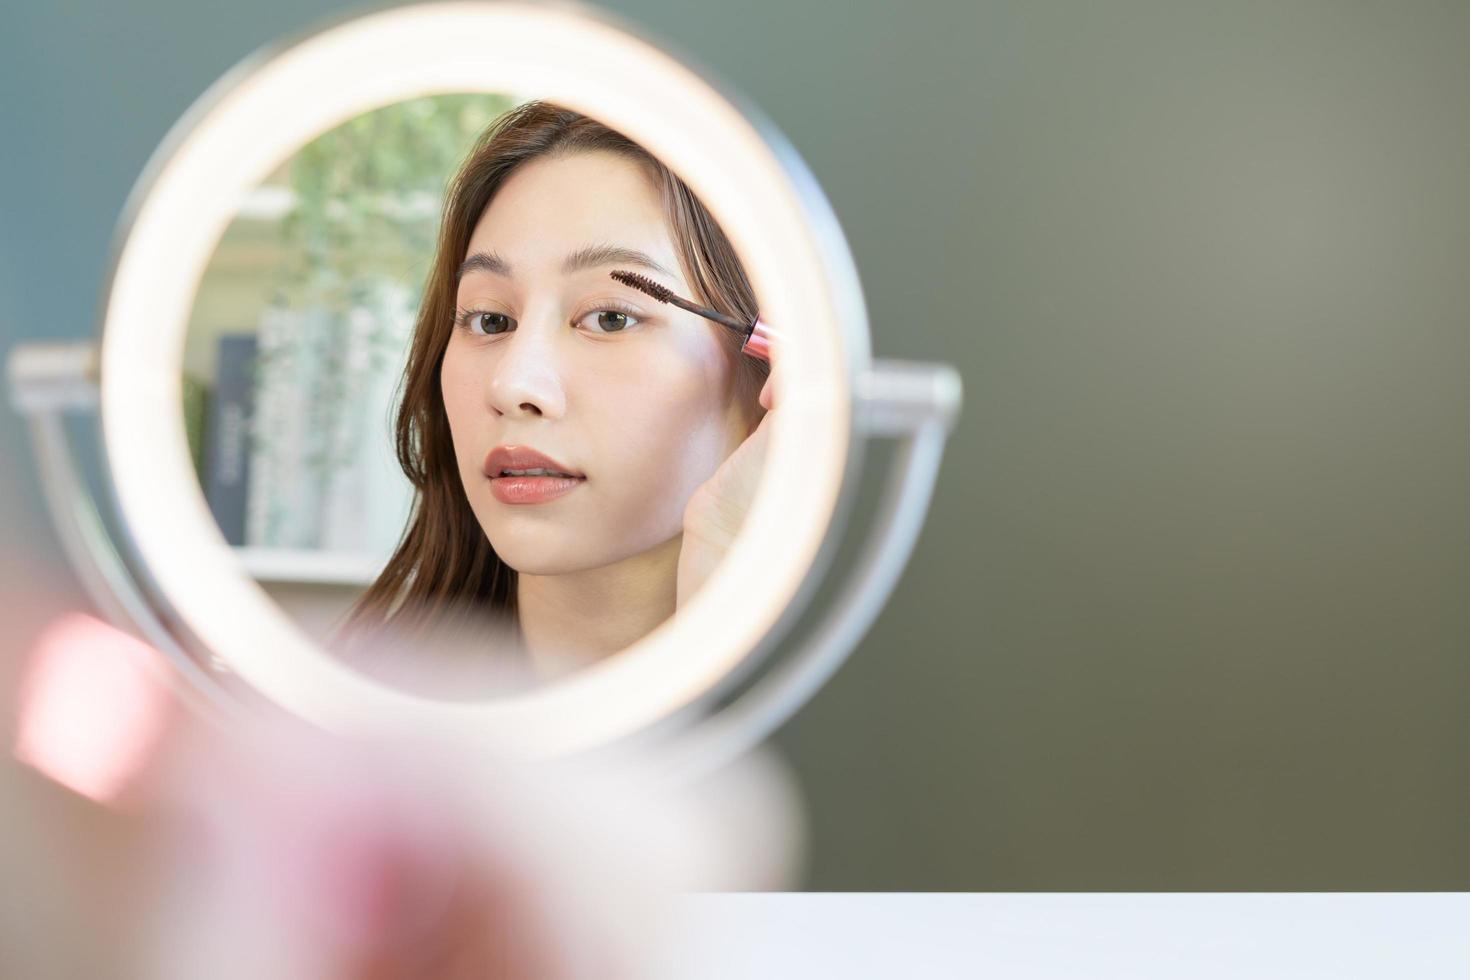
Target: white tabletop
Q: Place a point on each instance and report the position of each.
(1198, 936)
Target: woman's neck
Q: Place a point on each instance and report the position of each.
(571, 620)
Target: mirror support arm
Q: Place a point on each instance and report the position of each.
(915, 403)
(47, 382)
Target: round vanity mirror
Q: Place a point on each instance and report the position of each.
(512, 386)
(432, 424)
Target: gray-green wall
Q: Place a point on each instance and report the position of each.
(1192, 608)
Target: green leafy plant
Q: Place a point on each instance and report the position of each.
(367, 193)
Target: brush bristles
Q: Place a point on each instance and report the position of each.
(644, 284)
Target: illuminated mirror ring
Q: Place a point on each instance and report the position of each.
(268, 108)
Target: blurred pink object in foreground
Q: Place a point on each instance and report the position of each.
(269, 848)
(92, 706)
(300, 855)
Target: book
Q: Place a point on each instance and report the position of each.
(230, 417)
(196, 420)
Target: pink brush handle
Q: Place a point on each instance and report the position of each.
(758, 344)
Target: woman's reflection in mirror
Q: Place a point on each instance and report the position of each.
(581, 455)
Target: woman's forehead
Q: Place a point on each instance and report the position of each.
(552, 210)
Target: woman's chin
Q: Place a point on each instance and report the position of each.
(535, 565)
(569, 550)
(528, 559)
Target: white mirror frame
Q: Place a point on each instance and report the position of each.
(255, 118)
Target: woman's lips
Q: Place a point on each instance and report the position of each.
(521, 488)
(532, 489)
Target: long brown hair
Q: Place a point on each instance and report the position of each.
(444, 563)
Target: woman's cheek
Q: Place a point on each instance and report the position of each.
(688, 437)
(463, 404)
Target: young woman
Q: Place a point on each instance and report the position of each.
(581, 454)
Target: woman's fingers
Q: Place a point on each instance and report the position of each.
(768, 390)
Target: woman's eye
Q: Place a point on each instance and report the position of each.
(609, 321)
(488, 323)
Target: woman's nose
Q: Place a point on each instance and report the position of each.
(526, 380)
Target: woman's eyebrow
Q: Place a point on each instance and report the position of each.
(587, 257)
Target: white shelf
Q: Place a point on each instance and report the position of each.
(1060, 936)
(310, 567)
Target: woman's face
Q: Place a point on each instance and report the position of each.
(629, 397)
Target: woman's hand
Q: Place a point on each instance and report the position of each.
(717, 510)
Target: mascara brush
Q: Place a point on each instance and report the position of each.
(757, 333)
